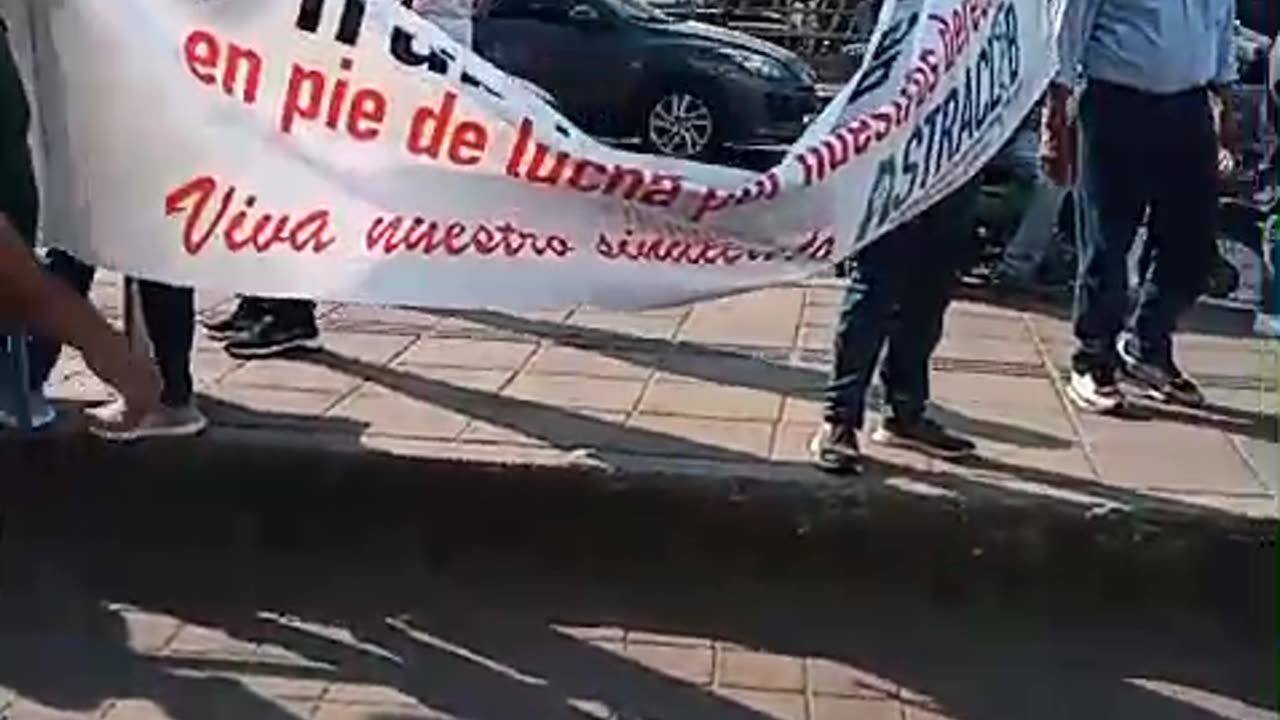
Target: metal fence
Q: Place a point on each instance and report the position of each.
(827, 33)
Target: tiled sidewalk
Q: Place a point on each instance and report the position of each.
(728, 389)
(220, 636)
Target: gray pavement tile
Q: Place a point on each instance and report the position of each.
(551, 428)
(956, 343)
(330, 711)
(386, 411)
(760, 671)
(692, 665)
(290, 374)
(269, 407)
(482, 380)
(374, 318)
(836, 679)
(770, 705)
(149, 632)
(366, 347)
(716, 327)
(666, 396)
(563, 360)
(196, 640)
(836, 708)
(1029, 400)
(29, 710)
(477, 354)
(367, 693)
(816, 337)
(622, 327)
(1136, 455)
(680, 436)
(605, 394)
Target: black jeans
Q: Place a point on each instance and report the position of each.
(19, 200)
(169, 314)
(899, 290)
(1152, 156)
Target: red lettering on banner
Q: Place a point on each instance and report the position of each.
(700, 248)
(237, 67)
(392, 234)
(433, 133)
(764, 187)
(245, 227)
(310, 97)
(538, 164)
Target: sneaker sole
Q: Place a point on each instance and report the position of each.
(894, 441)
(43, 422)
(1152, 390)
(1163, 396)
(265, 351)
(222, 335)
(844, 465)
(1089, 406)
(139, 434)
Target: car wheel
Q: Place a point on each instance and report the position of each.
(680, 123)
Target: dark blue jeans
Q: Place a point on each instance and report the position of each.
(1153, 157)
(169, 315)
(899, 289)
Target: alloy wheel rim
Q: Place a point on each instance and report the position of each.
(680, 125)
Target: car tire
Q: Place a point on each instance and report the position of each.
(681, 122)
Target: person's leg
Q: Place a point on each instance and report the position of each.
(19, 209)
(1183, 228)
(875, 282)
(1111, 198)
(937, 256)
(1026, 251)
(44, 351)
(19, 197)
(169, 316)
(1269, 300)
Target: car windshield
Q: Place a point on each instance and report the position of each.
(641, 11)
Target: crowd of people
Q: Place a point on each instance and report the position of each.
(1138, 125)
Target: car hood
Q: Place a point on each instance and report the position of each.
(713, 34)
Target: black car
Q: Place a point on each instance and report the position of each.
(621, 69)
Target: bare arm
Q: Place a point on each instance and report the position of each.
(30, 296)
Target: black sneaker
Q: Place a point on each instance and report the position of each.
(1163, 384)
(242, 320)
(835, 449)
(924, 435)
(271, 338)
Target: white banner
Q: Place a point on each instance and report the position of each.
(350, 150)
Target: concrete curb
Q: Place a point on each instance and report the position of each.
(181, 493)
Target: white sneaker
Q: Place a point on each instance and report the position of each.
(1266, 325)
(43, 414)
(1095, 394)
(184, 421)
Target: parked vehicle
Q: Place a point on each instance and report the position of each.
(624, 70)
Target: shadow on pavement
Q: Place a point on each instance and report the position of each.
(724, 367)
(496, 641)
(569, 431)
(1213, 320)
